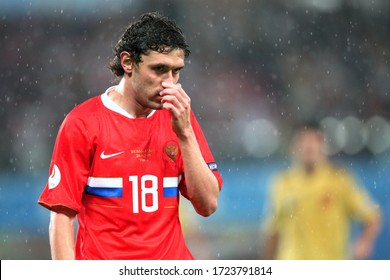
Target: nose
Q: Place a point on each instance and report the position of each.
(171, 77)
(168, 77)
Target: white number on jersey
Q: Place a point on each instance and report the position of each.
(151, 190)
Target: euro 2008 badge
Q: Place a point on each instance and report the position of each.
(54, 178)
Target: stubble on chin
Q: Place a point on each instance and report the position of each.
(154, 104)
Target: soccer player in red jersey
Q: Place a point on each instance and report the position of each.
(121, 159)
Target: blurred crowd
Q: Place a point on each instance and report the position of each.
(257, 68)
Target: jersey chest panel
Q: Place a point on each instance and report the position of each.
(136, 165)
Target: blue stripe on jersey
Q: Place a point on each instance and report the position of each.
(170, 192)
(104, 192)
(170, 186)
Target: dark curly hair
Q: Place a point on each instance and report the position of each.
(151, 31)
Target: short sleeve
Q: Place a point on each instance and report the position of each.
(69, 167)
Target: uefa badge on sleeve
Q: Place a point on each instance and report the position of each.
(54, 178)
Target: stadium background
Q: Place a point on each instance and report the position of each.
(257, 68)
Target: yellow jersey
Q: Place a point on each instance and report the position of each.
(312, 213)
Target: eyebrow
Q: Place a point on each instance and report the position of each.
(165, 65)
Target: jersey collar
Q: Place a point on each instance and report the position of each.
(111, 105)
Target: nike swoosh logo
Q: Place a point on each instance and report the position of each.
(105, 156)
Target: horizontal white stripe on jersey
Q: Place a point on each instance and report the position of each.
(102, 182)
(170, 182)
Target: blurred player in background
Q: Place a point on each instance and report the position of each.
(121, 159)
(313, 204)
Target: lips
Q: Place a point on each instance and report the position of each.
(158, 98)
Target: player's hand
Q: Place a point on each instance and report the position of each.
(176, 100)
(362, 249)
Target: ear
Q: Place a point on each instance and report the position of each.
(126, 62)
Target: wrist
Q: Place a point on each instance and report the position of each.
(186, 134)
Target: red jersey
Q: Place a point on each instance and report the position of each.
(123, 176)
